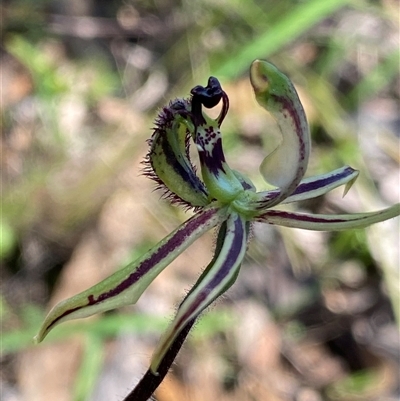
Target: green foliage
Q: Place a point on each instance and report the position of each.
(102, 329)
(90, 367)
(360, 385)
(385, 72)
(351, 244)
(7, 239)
(286, 28)
(49, 83)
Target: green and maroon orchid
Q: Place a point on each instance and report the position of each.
(222, 198)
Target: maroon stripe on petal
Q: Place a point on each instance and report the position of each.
(311, 186)
(230, 262)
(178, 239)
(294, 114)
(146, 265)
(298, 217)
(182, 168)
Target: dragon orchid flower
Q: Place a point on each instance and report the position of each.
(223, 198)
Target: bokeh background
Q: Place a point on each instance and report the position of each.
(313, 316)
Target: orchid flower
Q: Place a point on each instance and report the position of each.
(222, 198)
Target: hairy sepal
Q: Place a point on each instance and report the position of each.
(217, 278)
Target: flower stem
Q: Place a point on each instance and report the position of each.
(149, 382)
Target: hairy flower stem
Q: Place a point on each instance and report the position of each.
(149, 382)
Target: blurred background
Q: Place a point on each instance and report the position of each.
(312, 316)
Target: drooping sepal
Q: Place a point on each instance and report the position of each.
(214, 281)
(125, 286)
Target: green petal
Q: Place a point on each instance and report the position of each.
(324, 222)
(308, 188)
(125, 286)
(216, 279)
(316, 186)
